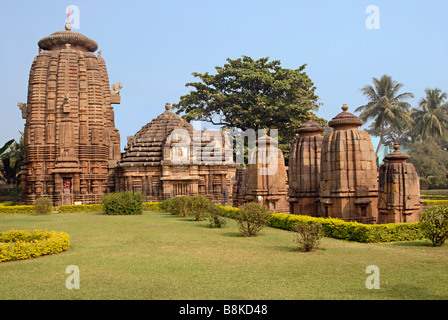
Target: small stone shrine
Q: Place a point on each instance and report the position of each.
(267, 177)
(348, 179)
(304, 169)
(399, 189)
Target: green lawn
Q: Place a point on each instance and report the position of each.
(160, 256)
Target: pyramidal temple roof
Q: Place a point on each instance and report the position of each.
(146, 147)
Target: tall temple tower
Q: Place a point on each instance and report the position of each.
(71, 143)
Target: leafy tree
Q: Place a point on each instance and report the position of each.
(386, 107)
(391, 136)
(11, 160)
(431, 120)
(429, 159)
(252, 94)
(6, 146)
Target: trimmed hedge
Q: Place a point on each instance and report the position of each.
(24, 244)
(12, 209)
(353, 231)
(80, 208)
(17, 209)
(431, 196)
(435, 202)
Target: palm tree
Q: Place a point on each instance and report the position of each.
(11, 160)
(386, 107)
(431, 121)
(6, 146)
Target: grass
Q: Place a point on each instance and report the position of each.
(160, 256)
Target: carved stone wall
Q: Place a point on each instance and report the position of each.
(71, 143)
(240, 187)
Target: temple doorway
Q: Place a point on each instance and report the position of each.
(67, 196)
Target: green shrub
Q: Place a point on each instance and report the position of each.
(123, 203)
(43, 205)
(198, 206)
(177, 206)
(164, 205)
(251, 218)
(217, 217)
(7, 203)
(435, 224)
(308, 234)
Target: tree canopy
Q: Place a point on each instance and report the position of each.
(431, 118)
(252, 94)
(429, 159)
(386, 107)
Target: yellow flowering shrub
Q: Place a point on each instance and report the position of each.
(16, 209)
(80, 208)
(151, 206)
(25, 244)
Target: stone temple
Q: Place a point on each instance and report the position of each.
(348, 173)
(304, 169)
(71, 143)
(72, 152)
(168, 158)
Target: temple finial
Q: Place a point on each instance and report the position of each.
(168, 106)
(68, 26)
(344, 107)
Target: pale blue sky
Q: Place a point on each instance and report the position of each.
(154, 46)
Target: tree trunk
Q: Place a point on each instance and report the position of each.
(381, 136)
